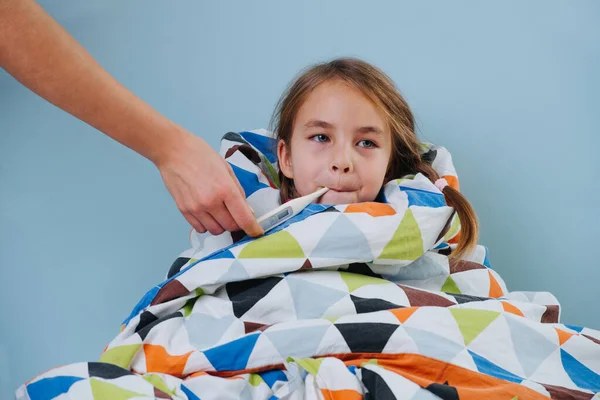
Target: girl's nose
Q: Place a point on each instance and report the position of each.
(341, 162)
(343, 168)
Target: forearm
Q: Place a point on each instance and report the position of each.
(40, 54)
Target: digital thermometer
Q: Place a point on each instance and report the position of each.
(288, 210)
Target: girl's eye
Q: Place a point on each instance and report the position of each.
(320, 138)
(367, 144)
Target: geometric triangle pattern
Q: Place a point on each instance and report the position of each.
(407, 242)
(341, 301)
(472, 322)
(531, 347)
(334, 243)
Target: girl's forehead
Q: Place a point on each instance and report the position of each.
(336, 102)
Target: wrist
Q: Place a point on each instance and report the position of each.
(168, 143)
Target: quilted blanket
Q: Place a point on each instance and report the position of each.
(340, 302)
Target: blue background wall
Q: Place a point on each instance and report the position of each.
(86, 227)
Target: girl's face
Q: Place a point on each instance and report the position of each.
(339, 140)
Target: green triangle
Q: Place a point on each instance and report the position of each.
(472, 322)
(189, 305)
(120, 355)
(454, 228)
(311, 365)
(104, 390)
(372, 361)
(272, 172)
(407, 243)
(279, 245)
(450, 286)
(355, 281)
(255, 379)
(400, 180)
(158, 383)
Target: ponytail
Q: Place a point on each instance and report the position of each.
(469, 226)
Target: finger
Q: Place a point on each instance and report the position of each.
(194, 222)
(243, 216)
(224, 218)
(209, 222)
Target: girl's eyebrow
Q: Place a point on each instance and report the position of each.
(315, 123)
(370, 129)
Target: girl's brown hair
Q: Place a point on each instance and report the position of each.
(406, 149)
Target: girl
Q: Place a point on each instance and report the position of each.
(344, 125)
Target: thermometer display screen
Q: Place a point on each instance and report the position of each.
(283, 213)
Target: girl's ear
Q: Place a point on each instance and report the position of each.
(285, 159)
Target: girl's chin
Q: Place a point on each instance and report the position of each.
(333, 197)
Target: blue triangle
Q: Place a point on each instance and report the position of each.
(298, 342)
(531, 347)
(581, 375)
(233, 355)
(248, 180)
(575, 328)
(264, 144)
(188, 392)
(423, 198)
(235, 273)
(311, 300)
(343, 240)
(434, 346)
(222, 254)
(487, 367)
(204, 330)
(273, 376)
(49, 388)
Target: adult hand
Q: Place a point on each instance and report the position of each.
(41, 55)
(205, 188)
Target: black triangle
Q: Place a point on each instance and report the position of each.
(144, 330)
(106, 370)
(363, 305)
(236, 236)
(245, 294)
(376, 386)
(429, 157)
(363, 269)
(234, 137)
(146, 318)
(445, 392)
(465, 298)
(368, 337)
(176, 266)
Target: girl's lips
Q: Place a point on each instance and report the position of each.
(343, 189)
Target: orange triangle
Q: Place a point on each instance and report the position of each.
(158, 360)
(452, 181)
(403, 314)
(511, 309)
(345, 394)
(563, 336)
(495, 289)
(371, 208)
(455, 239)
